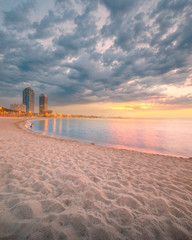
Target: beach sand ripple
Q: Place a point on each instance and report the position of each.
(56, 189)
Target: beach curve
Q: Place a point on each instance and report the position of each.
(63, 189)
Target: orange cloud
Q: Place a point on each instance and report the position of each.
(131, 106)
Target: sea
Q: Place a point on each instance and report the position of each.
(171, 137)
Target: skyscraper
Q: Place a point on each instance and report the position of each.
(42, 103)
(28, 99)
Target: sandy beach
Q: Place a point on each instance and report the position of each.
(57, 189)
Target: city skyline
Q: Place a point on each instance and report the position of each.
(28, 99)
(103, 58)
(43, 103)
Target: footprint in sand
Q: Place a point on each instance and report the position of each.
(51, 206)
(22, 211)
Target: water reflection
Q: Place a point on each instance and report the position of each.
(46, 125)
(67, 127)
(60, 125)
(171, 137)
(134, 135)
(54, 125)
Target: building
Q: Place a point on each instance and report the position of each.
(18, 107)
(28, 99)
(42, 103)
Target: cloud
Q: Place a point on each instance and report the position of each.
(119, 7)
(183, 100)
(17, 19)
(72, 43)
(46, 27)
(176, 6)
(136, 49)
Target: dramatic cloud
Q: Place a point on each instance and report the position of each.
(82, 51)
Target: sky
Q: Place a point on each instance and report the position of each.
(129, 58)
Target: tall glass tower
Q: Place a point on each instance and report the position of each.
(28, 99)
(42, 103)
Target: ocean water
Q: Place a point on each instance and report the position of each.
(163, 136)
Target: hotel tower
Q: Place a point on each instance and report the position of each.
(28, 99)
(42, 103)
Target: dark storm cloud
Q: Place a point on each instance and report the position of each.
(72, 43)
(66, 50)
(78, 73)
(45, 28)
(83, 37)
(42, 29)
(119, 7)
(7, 41)
(172, 5)
(18, 18)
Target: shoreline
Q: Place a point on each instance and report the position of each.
(62, 189)
(105, 146)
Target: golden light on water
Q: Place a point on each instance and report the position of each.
(60, 125)
(54, 125)
(46, 125)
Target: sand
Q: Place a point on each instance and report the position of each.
(57, 189)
